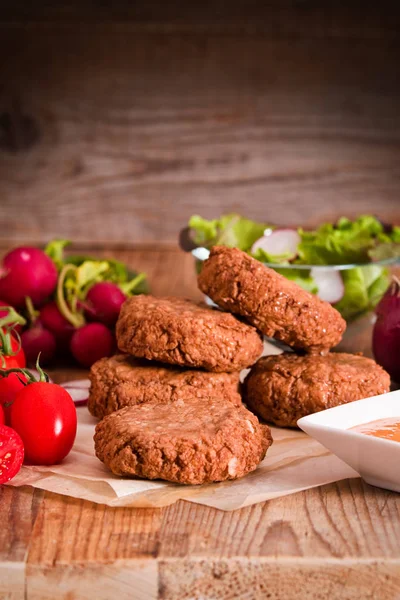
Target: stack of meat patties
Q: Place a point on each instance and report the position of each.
(171, 405)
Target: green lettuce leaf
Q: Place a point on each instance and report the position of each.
(385, 251)
(347, 242)
(301, 277)
(274, 259)
(395, 235)
(55, 251)
(378, 287)
(230, 230)
(363, 288)
(117, 272)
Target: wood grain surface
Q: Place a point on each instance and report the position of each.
(337, 542)
(117, 124)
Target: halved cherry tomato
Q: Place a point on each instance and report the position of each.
(44, 415)
(11, 453)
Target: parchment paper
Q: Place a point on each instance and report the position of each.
(295, 462)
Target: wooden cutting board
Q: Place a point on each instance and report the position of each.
(340, 541)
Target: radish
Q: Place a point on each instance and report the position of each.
(37, 340)
(78, 384)
(330, 284)
(103, 303)
(27, 272)
(52, 319)
(79, 396)
(278, 242)
(91, 342)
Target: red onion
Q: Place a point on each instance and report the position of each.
(386, 334)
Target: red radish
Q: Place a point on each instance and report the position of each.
(27, 272)
(91, 342)
(278, 242)
(52, 319)
(103, 302)
(10, 386)
(37, 340)
(79, 384)
(386, 333)
(78, 390)
(79, 396)
(11, 453)
(330, 284)
(3, 313)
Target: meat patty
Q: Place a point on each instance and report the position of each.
(278, 307)
(281, 389)
(177, 331)
(122, 380)
(189, 441)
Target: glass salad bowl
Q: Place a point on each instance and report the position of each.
(353, 289)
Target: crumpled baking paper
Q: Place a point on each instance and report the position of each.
(295, 462)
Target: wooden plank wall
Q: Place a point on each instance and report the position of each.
(118, 120)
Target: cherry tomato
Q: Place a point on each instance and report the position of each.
(44, 415)
(2, 417)
(11, 453)
(10, 387)
(15, 361)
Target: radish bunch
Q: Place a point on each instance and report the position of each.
(71, 304)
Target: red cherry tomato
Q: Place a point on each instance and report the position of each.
(15, 361)
(11, 453)
(44, 415)
(10, 387)
(2, 417)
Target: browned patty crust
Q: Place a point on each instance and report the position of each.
(177, 331)
(189, 441)
(278, 307)
(281, 389)
(122, 380)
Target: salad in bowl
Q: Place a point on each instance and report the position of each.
(345, 263)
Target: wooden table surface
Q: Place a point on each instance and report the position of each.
(337, 541)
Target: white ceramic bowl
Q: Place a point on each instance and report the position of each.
(377, 460)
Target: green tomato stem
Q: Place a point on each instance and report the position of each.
(12, 318)
(43, 377)
(127, 288)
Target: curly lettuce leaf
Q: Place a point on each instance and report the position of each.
(274, 259)
(117, 272)
(385, 251)
(230, 230)
(347, 242)
(395, 234)
(55, 251)
(363, 288)
(302, 278)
